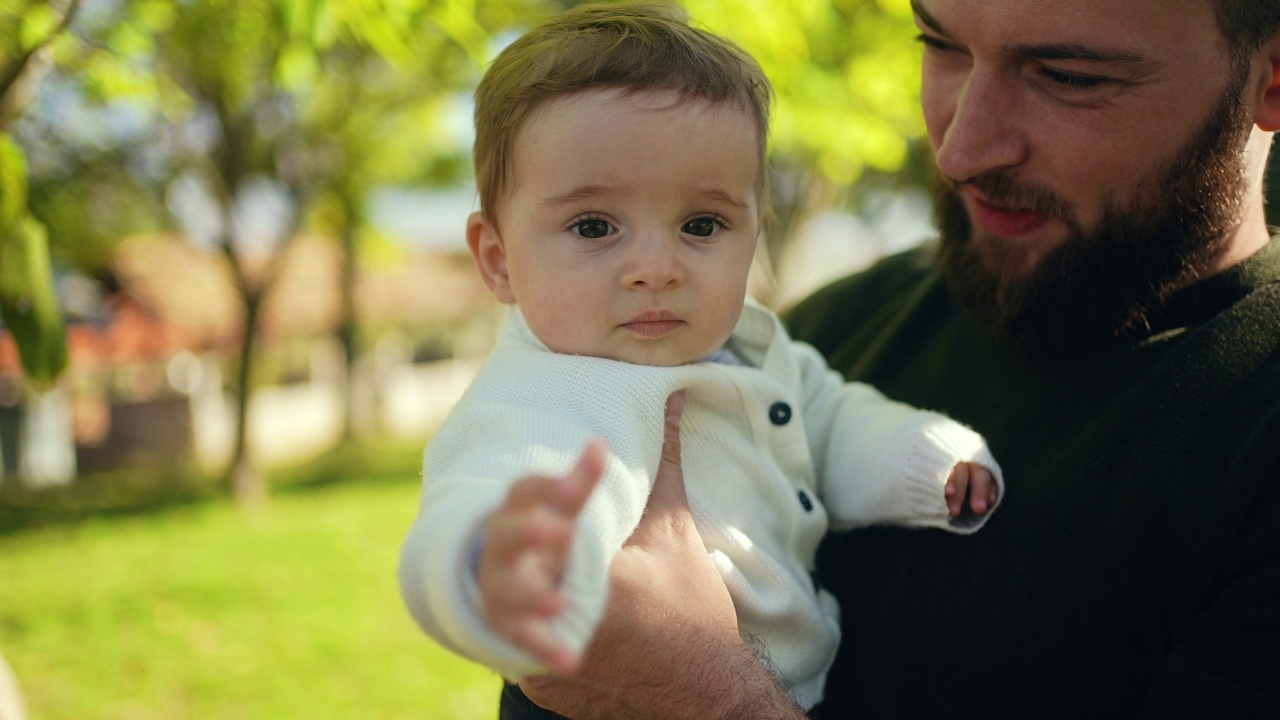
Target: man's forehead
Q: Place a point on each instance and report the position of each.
(1122, 29)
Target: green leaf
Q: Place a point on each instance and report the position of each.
(297, 67)
(13, 181)
(38, 24)
(29, 302)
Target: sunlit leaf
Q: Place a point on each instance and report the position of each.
(38, 23)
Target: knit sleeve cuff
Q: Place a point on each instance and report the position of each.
(928, 447)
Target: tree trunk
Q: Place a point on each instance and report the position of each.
(246, 484)
(349, 327)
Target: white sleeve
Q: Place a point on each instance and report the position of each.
(879, 461)
(486, 446)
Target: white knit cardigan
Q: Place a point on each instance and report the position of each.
(774, 455)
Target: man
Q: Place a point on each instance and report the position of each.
(1107, 313)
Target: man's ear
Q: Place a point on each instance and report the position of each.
(491, 258)
(1267, 114)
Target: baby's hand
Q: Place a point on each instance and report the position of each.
(526, 544)
(979, 483)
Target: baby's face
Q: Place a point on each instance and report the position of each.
(630, 228)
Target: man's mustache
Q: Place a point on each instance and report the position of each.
(1001, 190)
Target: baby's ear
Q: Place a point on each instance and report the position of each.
(491, 259)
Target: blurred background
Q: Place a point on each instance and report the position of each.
(233, 256)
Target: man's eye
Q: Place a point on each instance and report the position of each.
(933, 43)
(591, 228)
(1072, 81)
(701, 227)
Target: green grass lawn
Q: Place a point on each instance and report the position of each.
(198, 610)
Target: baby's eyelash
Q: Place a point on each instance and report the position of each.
(601, 226)
(719, 222)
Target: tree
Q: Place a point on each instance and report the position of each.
(376, 109)
(28, 301)
(309, 102)
(847, 87)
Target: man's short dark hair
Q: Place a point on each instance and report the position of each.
(1246, 24)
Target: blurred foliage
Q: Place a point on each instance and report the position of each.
(332, 99)
(846, 76)
(28, 299)
(243, 123)
(847, 83)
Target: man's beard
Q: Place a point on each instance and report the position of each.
(1105, 282)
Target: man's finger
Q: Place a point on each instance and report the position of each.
(668, 486)
(667, 500)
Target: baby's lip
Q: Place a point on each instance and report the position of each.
(654, 316)
(653, 324)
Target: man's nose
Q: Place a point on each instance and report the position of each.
(984, 132)
(653, 262)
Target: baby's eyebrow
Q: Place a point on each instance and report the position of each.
(589, 192)
(723, 197)
(586, 192)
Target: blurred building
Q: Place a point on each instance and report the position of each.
(154, 346)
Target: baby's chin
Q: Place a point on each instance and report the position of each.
(657, 356)
(655, 359)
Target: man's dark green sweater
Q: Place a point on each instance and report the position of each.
(1135, 561)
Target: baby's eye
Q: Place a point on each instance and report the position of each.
(702, 226)
(591, 228)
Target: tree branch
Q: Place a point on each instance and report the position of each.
(15, 69)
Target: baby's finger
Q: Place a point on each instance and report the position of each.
(532, 490)
(576, 487)
(508, 535)
(960, 481)
(521, 590)
(536, 639)
(979, 489)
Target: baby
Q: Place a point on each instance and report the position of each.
(620, 156)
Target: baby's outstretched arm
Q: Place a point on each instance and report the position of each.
(979, 484)
(526, 544)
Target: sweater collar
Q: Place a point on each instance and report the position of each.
(1200, 302)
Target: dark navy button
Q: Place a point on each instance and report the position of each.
(805, 502)
(780, 413)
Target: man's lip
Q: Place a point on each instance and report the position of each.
(1003, 222)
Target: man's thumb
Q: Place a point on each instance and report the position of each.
(668, 487)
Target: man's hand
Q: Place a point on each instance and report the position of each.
(973, 481)
(669, 644)
(526, 545)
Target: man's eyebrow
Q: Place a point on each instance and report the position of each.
(1074, 51)
(929, 20)
(1047, 51)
